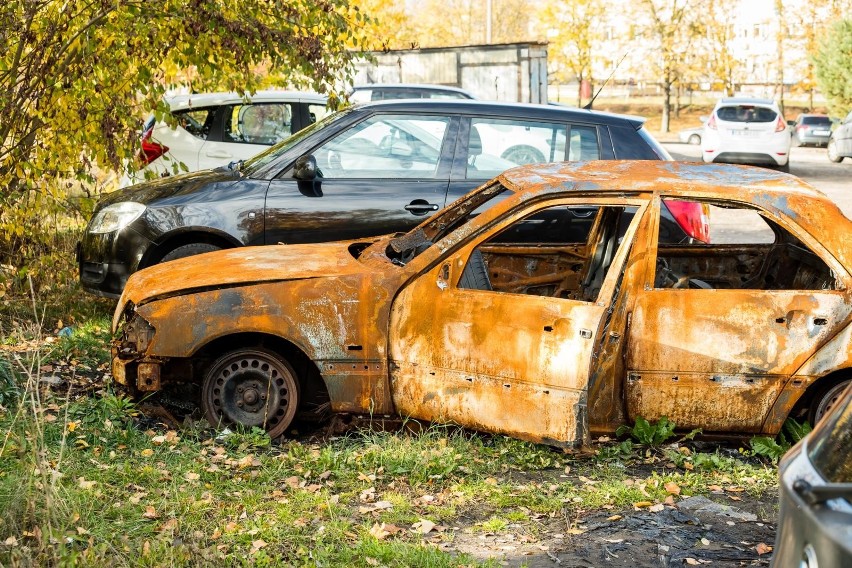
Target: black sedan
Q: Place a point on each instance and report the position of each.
(368, 170)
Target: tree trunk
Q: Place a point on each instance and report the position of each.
(667, 107)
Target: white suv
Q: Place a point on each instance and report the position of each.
(747, 131)
(215, 129)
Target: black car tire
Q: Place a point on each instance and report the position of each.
(831, 150)
(191, 249)
(694, 139)
(252, 388)
(825, 400)
(475, 275)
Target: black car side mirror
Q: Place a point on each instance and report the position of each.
(308, 177)
(305, 168)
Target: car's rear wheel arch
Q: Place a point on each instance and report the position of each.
(806, 407)
(313, 393)
(163, 247)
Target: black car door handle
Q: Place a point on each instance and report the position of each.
(420, 207)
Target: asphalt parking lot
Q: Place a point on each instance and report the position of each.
(810, 164)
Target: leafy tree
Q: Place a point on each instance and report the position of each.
(574, 33)
(670, 27)
(718, 31)
(833, 66)
(77, 76)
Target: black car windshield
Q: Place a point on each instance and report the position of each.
(403, 248)
(268, 156)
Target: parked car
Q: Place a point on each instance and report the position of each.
(815, 517)
(812, 129)
(691, 135)
(382, 167)
(747, 131)
(546, 304)
(840, 142)
(394, 91)
(214, 129)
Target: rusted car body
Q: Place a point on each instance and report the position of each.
(544, 305)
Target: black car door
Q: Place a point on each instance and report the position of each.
(384, 174)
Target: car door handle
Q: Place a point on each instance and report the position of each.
(420, 207)
(219, 154)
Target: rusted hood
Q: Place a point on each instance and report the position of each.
(239, 266)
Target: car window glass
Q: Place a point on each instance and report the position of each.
(746, 113)
(747, 250)
(447, 95)
(195, 121)
(496, 145)
(630, 144)
(259, 123)
(385, 146)
(817, 120)
(317, 112)
(583, 144)
(561, 252)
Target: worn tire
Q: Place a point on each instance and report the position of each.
(831, 151)
(825, 400)
(475, 275)
(253, 388)
(694, 139)
(191, 249)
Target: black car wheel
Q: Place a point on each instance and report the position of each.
(832, 152)
(694, 139)
(251, 387)
(190, 250)
(825, 401)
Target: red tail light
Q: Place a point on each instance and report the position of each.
(711, 124)
(151, 150)
(692, 217)
(782, 124)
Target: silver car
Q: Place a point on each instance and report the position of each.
(815, 526)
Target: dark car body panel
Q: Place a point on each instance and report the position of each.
(265, 204)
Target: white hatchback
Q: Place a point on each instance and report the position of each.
(747, 131)
(215, 129)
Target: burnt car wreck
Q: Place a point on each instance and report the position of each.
(549, 304)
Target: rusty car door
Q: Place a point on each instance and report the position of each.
(503, 361)
(715, 350)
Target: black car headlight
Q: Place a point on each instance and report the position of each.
(116, 216)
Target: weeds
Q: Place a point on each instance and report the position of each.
(647, 433)
(774, 448)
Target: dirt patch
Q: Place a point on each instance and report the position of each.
(695, 531)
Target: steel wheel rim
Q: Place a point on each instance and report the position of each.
(523, 156)
(251, 389)
(829, 400)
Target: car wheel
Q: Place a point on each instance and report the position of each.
(695, 139)
(831, 149)
(251, 388)
(190, 250)
(523, 155)
(825, 401)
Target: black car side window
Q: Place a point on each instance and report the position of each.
(495, 145)
(385, 147)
